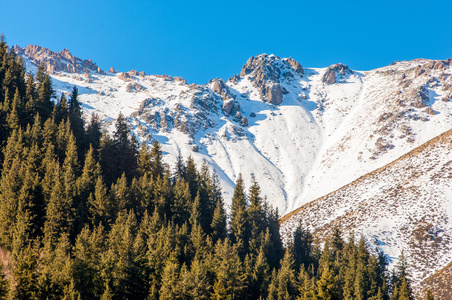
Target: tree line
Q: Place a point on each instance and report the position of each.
(88, 215)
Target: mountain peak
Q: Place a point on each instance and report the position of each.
(266, 72)
(334, 71)
(271, 67)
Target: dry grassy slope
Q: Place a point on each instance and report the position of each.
(405, 205)
(439, 283)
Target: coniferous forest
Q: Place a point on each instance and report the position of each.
(88, 215)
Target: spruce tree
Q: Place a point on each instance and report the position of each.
(25, 274)
(144, 160)
(76, 119)
(229, 273)
(260, 277)
(302, 247)
(44, 104)
(94, 133)
(156, 160)
(240, 230)
(218, 226)
(285, 284)
(170, 288)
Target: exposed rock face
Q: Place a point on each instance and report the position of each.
(111, 70)
(180, 79)
(273, 93)
(220, 87)
(124, 76)
(244, 121)
(331, 73)
(430, 111)
(134, 87)
(419, 97)
(268, 71)
(296, 65)
(63, 61)
(228, 106)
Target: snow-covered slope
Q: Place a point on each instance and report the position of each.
(302, 132)
(405, 205)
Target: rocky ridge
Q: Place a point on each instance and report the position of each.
(62, 61)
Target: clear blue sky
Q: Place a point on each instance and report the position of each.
(200, 40)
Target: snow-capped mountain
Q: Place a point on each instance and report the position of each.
(405, 205)
(302, 132)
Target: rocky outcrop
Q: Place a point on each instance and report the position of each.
(430, 111)
(124, 76)
(230, 107)
(134, 87)
(63, 61)
(112, 70)
(244, 122)
(267, 72)
(419, 97)
(220, 87)
(273, 93)
(295, 65)
(180, 79)
(335, 71)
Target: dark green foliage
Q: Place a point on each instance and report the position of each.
(88, 216)
(119, 155)
(240, 229)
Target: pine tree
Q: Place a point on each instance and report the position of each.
(25, 274)
(59, 214)
(327, 283)
(120, 194)
(307, 287)
(181, 205)
(13, 117)
(256, 216)
(77, 122)
(195, 214)
(144, 160)
(44, 105)
(156, 162)
(179, 173)
(107, 157)
(61, 109)
(191, 176)
(170, 288)
(218, 226)
(229, 277)
(94, 133)
(100, 205)
(302, 246)
(85, 187)
(10, 185)
(87, 268)
(285, 282)
(260, 277)
(240, 231)
(199, 279)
